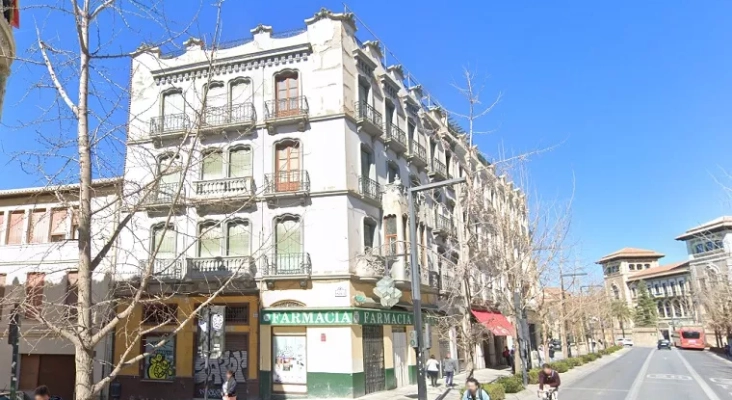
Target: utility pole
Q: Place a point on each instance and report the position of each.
(416, 279)
(564, 308)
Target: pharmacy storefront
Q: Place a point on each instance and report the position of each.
(321, 353)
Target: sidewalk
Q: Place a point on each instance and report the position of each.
(441, 392)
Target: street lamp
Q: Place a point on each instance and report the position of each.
(564, 308)
(416, 281)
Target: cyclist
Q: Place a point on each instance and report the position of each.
(549, 377)
(474, 391)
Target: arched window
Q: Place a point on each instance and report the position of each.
(369, 234)
(660, 309)
(240, 91)
(287, 94)
(163, 241)
(213, 165)
(240, 162)
(215, 95)
(367, 162)
(288, 244)
(677, 308)
(392, 172)
(238, 239)
(209, 239)
(173, 112)
(288, 166)
(390, 233)
(668, 312)
(169, 170)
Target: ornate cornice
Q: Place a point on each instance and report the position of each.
(346, 18)
(261, 29)
(248, 62)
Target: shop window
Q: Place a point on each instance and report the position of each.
(159, 363)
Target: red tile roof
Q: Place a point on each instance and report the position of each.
(630, 252)
(661, 270)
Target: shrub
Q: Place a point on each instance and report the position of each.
(560, 366)
(534, 376)
(590, 357)
(511, 384)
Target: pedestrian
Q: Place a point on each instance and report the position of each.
(228, 389)
(474, 391)
(540, 351)
(551, 352)
(509, 359)
(433, 369)
(449, 366)
(42, 393)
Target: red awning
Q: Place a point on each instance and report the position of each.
(495, 322)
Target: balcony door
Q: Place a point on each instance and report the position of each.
(287, 95)
(169, 170)
(287, 174)
(288, 247)
(173, 112)
(164, 243)
(216, 110)
(209, 240)
(213, 166)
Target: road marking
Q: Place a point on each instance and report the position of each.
(633, 394)
(564, 389)
(669, 376)
(702, 383)
(722, 381)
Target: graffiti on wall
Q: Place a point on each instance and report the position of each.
(230, 360)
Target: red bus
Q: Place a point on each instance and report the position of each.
(689, 338)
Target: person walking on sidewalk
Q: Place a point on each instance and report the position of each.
(433, 369)
(474, 391)
(228, 389)
(42, 393)
(449, 366)
(509, 359)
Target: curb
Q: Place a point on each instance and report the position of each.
(581, 372)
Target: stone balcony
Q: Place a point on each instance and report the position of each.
(7, 53)
(224, 194)
(202, 268)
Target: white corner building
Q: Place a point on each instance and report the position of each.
(283, 158)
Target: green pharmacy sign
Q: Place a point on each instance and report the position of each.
(336, 317)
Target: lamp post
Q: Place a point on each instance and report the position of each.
(564, 308)
(416, 281)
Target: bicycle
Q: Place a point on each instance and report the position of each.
(547, 394)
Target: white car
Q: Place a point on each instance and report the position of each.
(624, 342)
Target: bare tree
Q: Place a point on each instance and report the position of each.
(83, 134)
(495, 248)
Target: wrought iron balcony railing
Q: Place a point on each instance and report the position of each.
(444, 224)
(417, 151)
(288, 264)
(439, 168)
(366, 112)
(241, 265)
(228, 115)
(293, 181)
(164, 193)
(369, 188)
(226, 187)
(169, 123)
(286, 108)
(396, 135)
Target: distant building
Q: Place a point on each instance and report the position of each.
(668, 285)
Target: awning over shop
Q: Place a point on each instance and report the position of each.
(495, 322)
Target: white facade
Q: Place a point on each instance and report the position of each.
(38, 244)
(7, 54)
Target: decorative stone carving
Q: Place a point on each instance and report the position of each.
(370, 264)
(347, 18)
(193, 42)
(394, 200)
(259, 29)
(397, 72)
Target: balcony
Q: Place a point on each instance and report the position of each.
(169, 126)
(438, 170)
(288, 111)
(443, 225)
(284, 184)
(417, 154)
(395, 138)
(165, 268)
(223, 267)
(238, 119)
(287, 266)
(229, 193)
(164, 196)
(368, 119)
(434, 280)
(369, 189)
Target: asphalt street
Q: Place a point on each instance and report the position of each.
(649, 374)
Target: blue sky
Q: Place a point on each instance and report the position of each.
(637, 93)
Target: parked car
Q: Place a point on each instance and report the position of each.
(664, 344)
(624, 342)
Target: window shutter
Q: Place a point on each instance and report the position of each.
(213, 165)
(39, 225)
(288, 237)
(165, 238)
(173, 104)
(216, 96)
(15, 227)
(238, 239)
(240, 92)
(240, 163)
(58, 222)
(209, 244)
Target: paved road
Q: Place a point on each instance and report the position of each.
(649, 374)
